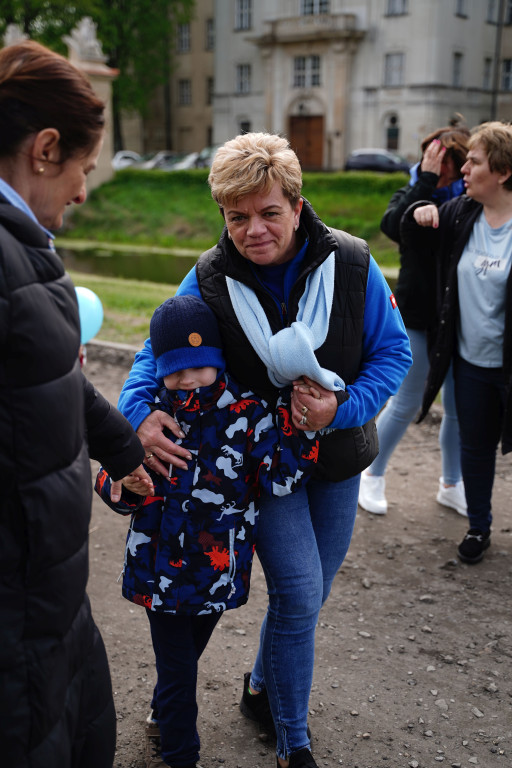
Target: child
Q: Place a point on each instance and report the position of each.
(190, 546)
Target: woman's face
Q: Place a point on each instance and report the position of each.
(62, 185)
(263, 226)
(480, 182)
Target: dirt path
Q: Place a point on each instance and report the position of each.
(414, 650)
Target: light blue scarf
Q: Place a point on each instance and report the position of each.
(289, 353)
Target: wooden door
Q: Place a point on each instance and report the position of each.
(307, 140)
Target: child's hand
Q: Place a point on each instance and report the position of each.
(137, 481)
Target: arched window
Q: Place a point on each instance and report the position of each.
(392, 132)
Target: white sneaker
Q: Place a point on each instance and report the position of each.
(453, 497)
(371, 493)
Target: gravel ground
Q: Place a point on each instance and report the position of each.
(413, 649)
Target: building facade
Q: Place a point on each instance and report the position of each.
(336, 75)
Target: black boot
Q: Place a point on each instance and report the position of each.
(256, 707)
(301, 759)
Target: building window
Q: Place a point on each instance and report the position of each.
(492, 11)
(184, 93)
(243, 78)
(396, 7)
(314, 7)
(210, 34)
(461, 9)
(245, 126)
(394, 69)
(243, 14)
(392, 133)
(487, 79)
(209, 90)
(457, 70)
(183, 42)
(506, 75)
(306, 72)
(508, 12)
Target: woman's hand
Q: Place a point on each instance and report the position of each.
(160, 451)
(137, 481)
(312, 404)
(433, 157)
(426, 216)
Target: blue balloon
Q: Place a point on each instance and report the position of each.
(90, 310)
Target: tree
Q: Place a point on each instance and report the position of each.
(137, 37)
(139, 40)
(45, 21)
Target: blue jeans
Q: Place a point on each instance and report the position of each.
(480, 397)
(301, 542)
(401, 409)
(178, 642)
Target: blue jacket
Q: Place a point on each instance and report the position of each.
(190, 546)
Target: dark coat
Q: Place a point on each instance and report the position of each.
(190, 547)
(54, 678)
(456, 220)
(416, 290)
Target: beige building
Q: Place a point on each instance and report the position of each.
(335, 75)
(181, 110)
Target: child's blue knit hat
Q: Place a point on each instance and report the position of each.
(184, 334)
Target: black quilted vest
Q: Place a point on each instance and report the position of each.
(343, 453)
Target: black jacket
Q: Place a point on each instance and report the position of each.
(54, 678)
(456, 221)
(416, 290)
(343, 452)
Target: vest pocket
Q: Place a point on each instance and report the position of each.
(346, 452)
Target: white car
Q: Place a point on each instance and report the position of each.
(124, 159)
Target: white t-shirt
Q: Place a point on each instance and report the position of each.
(482, 274)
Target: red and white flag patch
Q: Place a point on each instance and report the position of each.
(393, 301)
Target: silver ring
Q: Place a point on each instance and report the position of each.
(304, 410)
(303, 420)
(149, 455)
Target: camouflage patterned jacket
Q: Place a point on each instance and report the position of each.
(190, 546)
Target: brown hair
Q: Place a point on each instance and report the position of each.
(456, 141)
(253, 162)
(496, 140)
(40, 89)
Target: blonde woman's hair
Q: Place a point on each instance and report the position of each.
(254, 162)
(496, 140)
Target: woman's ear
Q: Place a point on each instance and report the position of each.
(45, 148)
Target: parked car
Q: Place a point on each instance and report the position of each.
(156, 160)
(124, 159)
(206, 155)
(376, 160)
(181, 162)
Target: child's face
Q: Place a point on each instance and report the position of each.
(191, 378)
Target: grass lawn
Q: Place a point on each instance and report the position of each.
(175, 210)
(127, 305)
